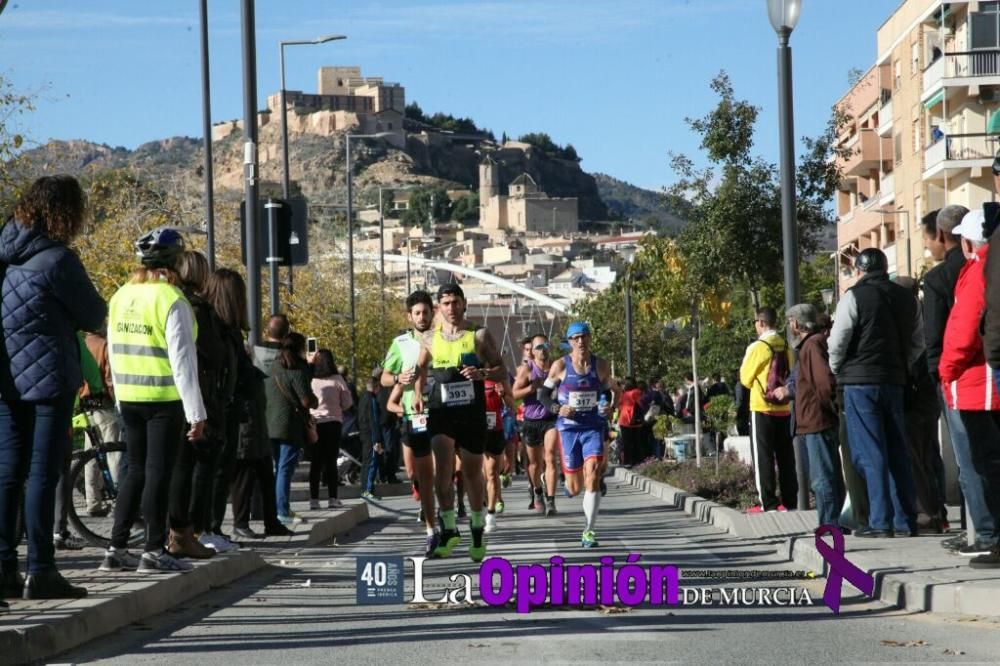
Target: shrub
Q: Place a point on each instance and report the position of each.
(733, 486)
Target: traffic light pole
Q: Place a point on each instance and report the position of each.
(273, 260)
(250, 164)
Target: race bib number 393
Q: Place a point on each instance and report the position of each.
(457, 393)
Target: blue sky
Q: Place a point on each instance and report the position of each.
(615, 78)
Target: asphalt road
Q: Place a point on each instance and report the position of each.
(304, 610)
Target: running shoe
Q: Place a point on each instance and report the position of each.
(589, 539)
(499, 506)
(449, 539)
(162, 563)
(505, 480)
(532, 502)
(334, 503)
(537, 505)
(314, 505)
(755, 509)
(550, 507)
(68, 542)
(415, 494)
(118, 560)
(433, 541)
(955, 542)
(290, 520)
(974, 550)
(491, 523)
(369, 496)
(477, 551)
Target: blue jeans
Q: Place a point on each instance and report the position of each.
(34, 441)
(824, 472)
(969, 480)
(286, 457)
(881, 455)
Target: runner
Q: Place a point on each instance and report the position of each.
(497, 397)
(581, 382)
(539, 429)
(399, 370)
(460, 356)
(418, 446)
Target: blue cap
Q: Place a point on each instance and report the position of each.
(578, 328)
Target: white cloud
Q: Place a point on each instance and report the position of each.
(18, 18)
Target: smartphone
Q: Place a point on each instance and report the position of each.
(311, 346)
(470, 359)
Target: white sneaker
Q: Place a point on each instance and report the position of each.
(334, 503)
(314, 505)
(162, 563)
(216, 543)
(491, 523)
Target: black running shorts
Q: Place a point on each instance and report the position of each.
(533, 432)
(466, 428)
(495, 443)
(419, 443)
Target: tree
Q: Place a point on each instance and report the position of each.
(466, 208)
(12, 105)
(734, 233)
(426, 205)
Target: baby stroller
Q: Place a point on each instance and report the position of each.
(349, 461)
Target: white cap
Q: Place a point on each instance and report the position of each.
(971, 227)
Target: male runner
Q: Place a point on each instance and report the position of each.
(399, 369)
(581, 382)
(539, 429)
(460, 356)
(497, 397)
(417, 441)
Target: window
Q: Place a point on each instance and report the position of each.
(897, 147)
(985, 26)
(916, 137)
(914, 58)
(897, 75)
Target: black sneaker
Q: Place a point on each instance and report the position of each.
(449, 539)
(974, 549)
(989, 561)
(550, 507)
(531, 498)
(433, 541)
(871, 533)
(955, 542)
(477, 551)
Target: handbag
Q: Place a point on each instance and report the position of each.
(311, 431)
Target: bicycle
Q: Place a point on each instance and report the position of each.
(95, 527)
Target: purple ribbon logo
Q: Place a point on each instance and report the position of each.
(840, 568)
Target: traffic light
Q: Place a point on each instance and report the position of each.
(292, 233)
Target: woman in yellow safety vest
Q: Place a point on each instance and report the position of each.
(151, 342)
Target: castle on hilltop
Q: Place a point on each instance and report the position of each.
(345, 101)
(525, 208)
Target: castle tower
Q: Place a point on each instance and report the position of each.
(489, 180)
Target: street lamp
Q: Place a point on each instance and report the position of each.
(350, 242)
(784, 15)
(284, 115)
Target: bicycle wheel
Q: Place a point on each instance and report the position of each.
(94, 527)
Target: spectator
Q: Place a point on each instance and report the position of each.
(770, 428)
(289, 399)
(251, 464)
(816, 413)
(190, 496)
(876, 337)
(966, 377)
(630, 422)
(369, 420)
(939, 298)
(47, 297)
(334, 399)
(151, 335)
(921, 414)
(718, 387)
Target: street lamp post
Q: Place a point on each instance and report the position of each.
(350, 242)
(784, 15)
(206, 107)
(250, 184)
(284, 115)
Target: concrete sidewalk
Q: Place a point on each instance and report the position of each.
(912, 573)
(36, 630)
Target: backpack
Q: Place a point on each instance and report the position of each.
(777, 375)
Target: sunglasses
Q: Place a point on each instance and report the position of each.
(543, 345)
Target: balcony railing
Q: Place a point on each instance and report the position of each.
(970, 146)
(985, 62)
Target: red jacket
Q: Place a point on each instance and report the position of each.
(967, 380)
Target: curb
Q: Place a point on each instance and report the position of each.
(929, 590)
(102, 614)
(300, 491)
(48, 628)
(768, 525)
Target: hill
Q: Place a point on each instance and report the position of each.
(626, 201)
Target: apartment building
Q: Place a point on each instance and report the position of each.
(917, 129)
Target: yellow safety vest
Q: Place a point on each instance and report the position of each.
(137, 323)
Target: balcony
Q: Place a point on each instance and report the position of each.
(959, 151)
(886, 189)
(962, 68)
(856, 224)
(885, 117)
(868, 151)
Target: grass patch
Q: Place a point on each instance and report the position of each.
(733, 486)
